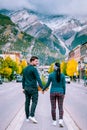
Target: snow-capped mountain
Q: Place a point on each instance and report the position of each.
(30, 23)
(60, 32)
(13, 39)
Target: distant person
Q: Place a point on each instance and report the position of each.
(85, 80)
(57, 92)
(30, 79)
(78, 78)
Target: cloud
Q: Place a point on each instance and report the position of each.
(73, 7)
(13, 4)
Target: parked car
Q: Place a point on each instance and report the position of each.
(1, 81)
(67, 79)
(19, 78)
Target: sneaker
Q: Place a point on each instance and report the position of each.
(54, 123)
(27, 120)
(61, 122)
(33, 119)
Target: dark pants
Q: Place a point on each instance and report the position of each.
(60, 99)
(30, 96)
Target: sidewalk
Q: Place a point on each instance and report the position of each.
(43, 116)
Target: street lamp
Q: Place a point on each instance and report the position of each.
(79, 70)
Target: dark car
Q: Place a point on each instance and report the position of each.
(19, 78)
(1, 81)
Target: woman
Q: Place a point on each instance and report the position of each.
(57, 92)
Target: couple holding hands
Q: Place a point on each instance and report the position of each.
(57, 90)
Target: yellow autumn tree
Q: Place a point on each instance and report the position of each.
(71, 67)
(51, 68)
(8, 67)
(19, 67)
(86, 70)
(7, 72)
(63, 66)
(17, 60)
(19, 70)
(23, 63)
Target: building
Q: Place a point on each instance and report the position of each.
(71, 55)
(79, 53)
(83, 51)
(13, 55)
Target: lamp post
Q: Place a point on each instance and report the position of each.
(79, 70)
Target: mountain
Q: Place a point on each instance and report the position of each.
(13, 39)
(60, 33)
(68, 28)
(57, 31)
(80, 37)
(30, 24)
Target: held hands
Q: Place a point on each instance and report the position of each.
(42, 92)
(40, 89)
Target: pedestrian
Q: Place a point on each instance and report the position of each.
(30, 79)
(57, 92)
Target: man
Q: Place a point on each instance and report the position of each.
(29, 83)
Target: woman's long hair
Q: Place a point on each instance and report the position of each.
(58, 72)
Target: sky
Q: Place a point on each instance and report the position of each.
(71, 7)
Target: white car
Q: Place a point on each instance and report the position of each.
(19, 78)
(67, 79)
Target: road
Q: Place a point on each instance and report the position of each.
(11, 101)
(43, 116)
(76, 104)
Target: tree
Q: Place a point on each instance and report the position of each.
(12, 65)
(51, 68)
(63, 67)
(1, 64)
(19, 70)
(71, 67)
(23, 64)
(7, 72)
(8, 67)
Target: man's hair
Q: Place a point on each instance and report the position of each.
(33, 58)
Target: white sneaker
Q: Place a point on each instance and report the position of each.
(32, 119)
(61, 122)
(27, 120)
(54, 123)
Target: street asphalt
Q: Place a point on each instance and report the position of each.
(43, 116)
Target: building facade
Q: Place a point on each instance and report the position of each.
(13, 55)
(83, 51)
(80, 55)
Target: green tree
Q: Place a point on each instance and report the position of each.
(63, 67)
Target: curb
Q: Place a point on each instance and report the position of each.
(71, 125)
(17, 122)
(19, 118)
